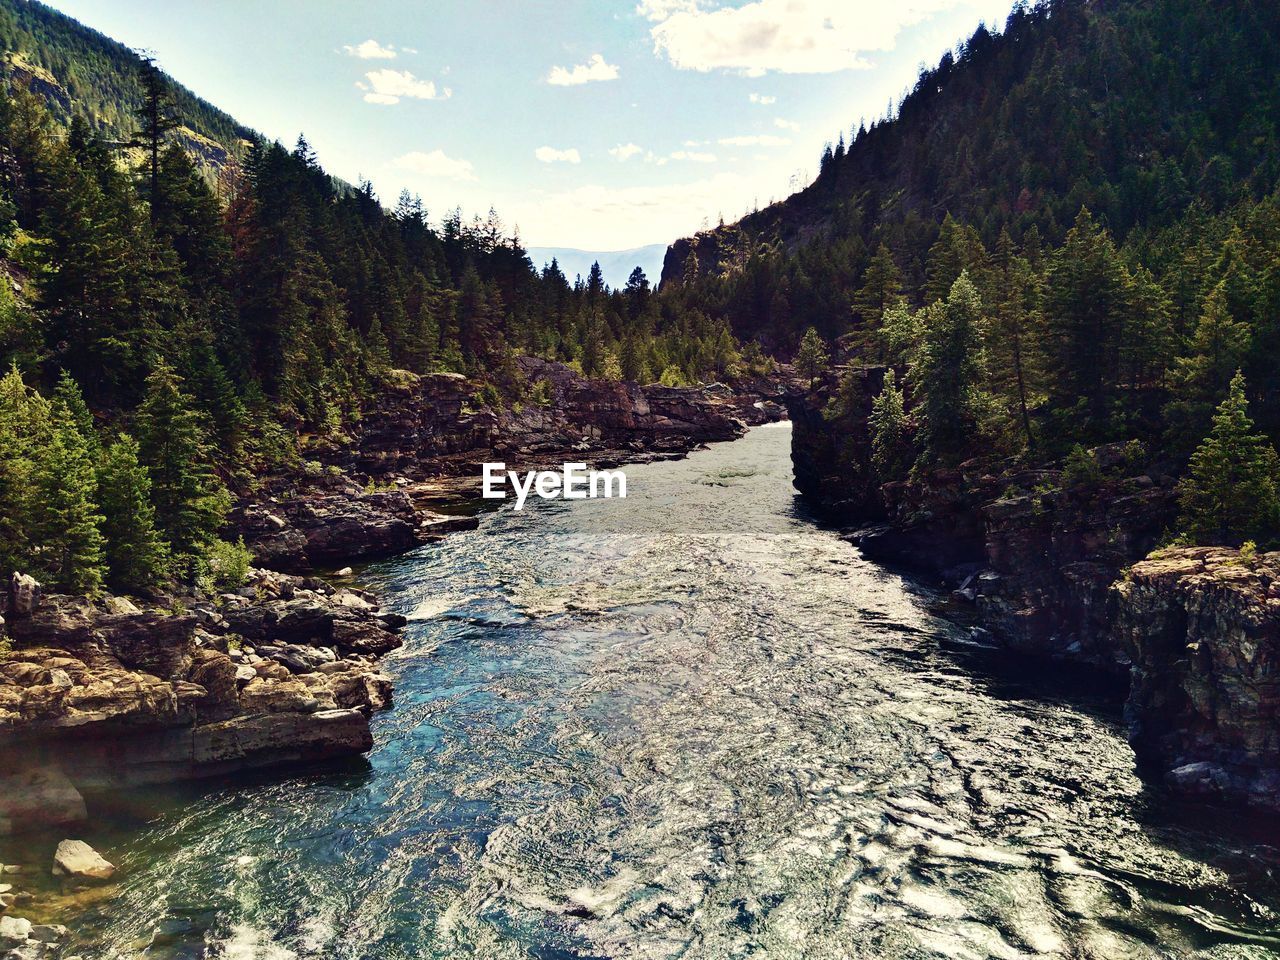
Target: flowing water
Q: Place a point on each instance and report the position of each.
(694, 724)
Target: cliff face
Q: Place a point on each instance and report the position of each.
(1035, 556)
(1066, 571)
(1202, 627)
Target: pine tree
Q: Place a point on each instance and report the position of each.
(66, 523)
(24, 430)
(190, 502)
(881, 288)
(890, 431)
(1229, 494)
(135, 551)
(947, 376)
(812, 356)
(68, 398)
(1086, 302)
(157, 117)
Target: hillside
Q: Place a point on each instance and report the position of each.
(80, 72)
(1138, 109)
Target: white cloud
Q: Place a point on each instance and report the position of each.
(552, 155)
(788, 36)
(754, 140)
(435, 165)
(370, 50)
(594, 69)
(625, 151)
(661, 9)
(782, 124)
(763, 100)
(387, 86)
(695, 156)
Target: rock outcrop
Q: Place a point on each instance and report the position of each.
(284, 670)
(1202, 628)
(39, 798)
(352, 503)
(1035, 551)
(1061, 567)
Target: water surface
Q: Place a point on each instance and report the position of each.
(695, 724)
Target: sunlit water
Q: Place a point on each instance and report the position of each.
(694, 724)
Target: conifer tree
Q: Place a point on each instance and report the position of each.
(157, 117)
(890, 431)
(24, 426)
(1086, 302)
(946, 378)
(135, 550)
(190, 502)
(66, 522)
(1229, 494)
(811, 357)
(881, 288)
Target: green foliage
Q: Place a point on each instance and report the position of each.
(673, 376)
(489, 396)
(540, 393)
(67, 525)
(891, 452)
(812, 356)
(225, 566)
(50, 519)
(190, 501)
(1229, 494)
(1081, 470)
(136, 552)
(946, 379)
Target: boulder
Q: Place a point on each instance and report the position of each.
(14, 931)
(77, 860)
(24, 595)
(48, 933)
(38, 798)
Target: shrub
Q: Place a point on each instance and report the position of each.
(226, 566)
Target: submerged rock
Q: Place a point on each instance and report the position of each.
(38, 798)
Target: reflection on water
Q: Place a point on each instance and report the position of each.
(693, 724)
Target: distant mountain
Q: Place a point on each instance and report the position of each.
(615, 264)
(81, 72)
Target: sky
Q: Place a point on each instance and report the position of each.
(593, 124)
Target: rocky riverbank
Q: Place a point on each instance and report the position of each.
(373, 496)
(1055, 562)
(114, 691)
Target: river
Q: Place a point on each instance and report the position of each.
(693, 723)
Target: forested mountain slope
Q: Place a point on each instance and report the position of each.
(169, 336)
(1146, 111)
(80, 72)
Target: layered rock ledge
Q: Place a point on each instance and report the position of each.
(1202, 627)
(110, 694)
(1062, 567)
